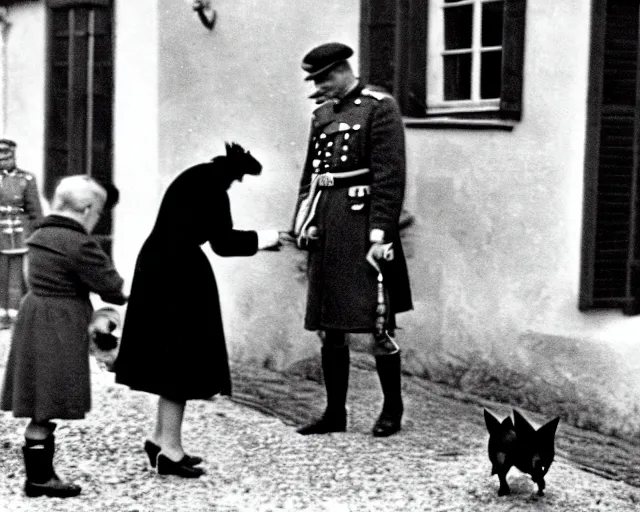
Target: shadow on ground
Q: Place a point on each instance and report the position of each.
(436, 415)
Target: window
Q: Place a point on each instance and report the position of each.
(78, 133)
(446, 57)
(465, 54)
(611, 247)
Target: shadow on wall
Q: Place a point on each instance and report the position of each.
(538, 379)
(551, 375)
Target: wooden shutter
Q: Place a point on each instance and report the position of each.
(409, 85)
(56, 4)
(393, 50)
(611, 159)
(377, 42)
(80, 97)
(513, 36)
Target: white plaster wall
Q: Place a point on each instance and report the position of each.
(25, 87)
(243, 82)
(502, 211)
(136, 152)
(496, 252)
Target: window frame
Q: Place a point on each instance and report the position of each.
(436, 51)
(403, 68)
(80, 96)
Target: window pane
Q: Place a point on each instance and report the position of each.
(59, 24)
(60, 49)
(58, 120)
(457, 77)
(492, 23)
(490, 74)
(59, 77)
(457, 27)
(81, 20)
(103, 49)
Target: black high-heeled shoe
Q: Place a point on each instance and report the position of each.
(168, 467)
(153, 450)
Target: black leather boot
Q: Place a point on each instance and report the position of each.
(41, 477)
(390, 420)
(335, 368)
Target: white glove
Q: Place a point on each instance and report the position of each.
(378, 252)
(268, 238)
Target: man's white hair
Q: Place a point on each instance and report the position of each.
(76, 193)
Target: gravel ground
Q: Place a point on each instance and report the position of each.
(256, 461)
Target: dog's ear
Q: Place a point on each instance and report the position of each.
(522, 425)
(493, 423)
(548, 430)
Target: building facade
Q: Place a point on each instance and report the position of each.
(522, 132)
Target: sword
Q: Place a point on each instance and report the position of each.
(384, 343)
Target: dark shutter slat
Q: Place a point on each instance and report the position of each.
(513, 33)
(409, 85)
(614, 156)
(393, 55)
(377, 42)
(56, 4)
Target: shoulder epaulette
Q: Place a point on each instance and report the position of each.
(27, 175)
(374, 94)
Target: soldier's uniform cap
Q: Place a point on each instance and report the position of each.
(324, 57)
(7, 142)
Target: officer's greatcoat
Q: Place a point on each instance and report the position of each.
(19, 208)
(360, 142)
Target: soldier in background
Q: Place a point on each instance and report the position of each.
(20, 207)
(349, 205)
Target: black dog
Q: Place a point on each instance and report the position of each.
(517, 443)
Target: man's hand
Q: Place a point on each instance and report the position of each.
(379, 252)
(287, 238)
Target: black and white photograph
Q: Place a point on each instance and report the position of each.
(319, 256)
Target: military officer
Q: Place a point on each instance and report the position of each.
(19, 208)
(350, 199)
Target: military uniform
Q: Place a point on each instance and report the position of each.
(19, 208)
(349, 203)
(354, 179)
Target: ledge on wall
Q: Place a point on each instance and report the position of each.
(459, 123)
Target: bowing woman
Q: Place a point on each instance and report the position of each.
(173, 343)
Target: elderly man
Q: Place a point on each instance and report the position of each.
(349, 204)
(19, 208)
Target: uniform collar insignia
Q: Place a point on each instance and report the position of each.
(353, 92)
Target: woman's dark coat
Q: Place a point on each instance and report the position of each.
(173, 343)
(47, 373)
